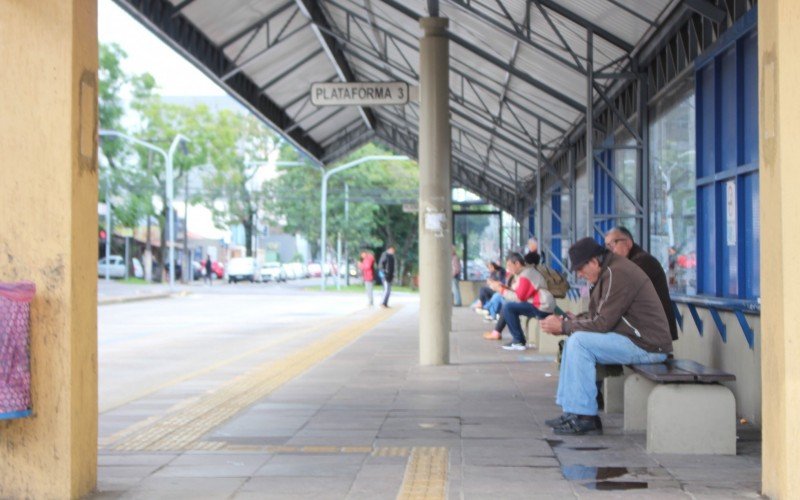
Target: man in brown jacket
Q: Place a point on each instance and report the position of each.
(625, 324)
(620, 241)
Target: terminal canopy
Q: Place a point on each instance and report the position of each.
(520, 71)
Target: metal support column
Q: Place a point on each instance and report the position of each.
(539, 179)
(589, 134)
(573, 198)
(435, 211)
(643, 160)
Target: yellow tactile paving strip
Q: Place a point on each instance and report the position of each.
(180, 430)
(426, 475)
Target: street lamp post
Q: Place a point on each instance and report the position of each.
(324, 199)
(168, 156)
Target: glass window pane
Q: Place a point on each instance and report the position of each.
(672, 187)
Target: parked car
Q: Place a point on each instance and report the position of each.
(314, 269)
(217, 269)
(116, 267)
(273, 271)
(242, 269)
(297, 270)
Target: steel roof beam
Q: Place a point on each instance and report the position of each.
(312, 10)
(517, 33)
(256, 25)
(291, 69)
(181, 6)
(185, 38)
(471, 47)
(707, 10)
(411, 74)
(585, 23)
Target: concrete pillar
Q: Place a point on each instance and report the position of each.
(779, 128)
(435, 214)
(48, 202)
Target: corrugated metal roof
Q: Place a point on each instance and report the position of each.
(516, 66)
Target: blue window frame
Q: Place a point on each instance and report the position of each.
(728, 234)
(604, 199)
(555, 229)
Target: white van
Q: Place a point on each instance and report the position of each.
(241, 269)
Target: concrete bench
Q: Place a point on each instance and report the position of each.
(682, 406)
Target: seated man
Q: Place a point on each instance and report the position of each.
(529, 298)
(620, 241)
(625, 324)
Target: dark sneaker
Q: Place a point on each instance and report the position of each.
(558, 421)
(515, 347)
(576, 426)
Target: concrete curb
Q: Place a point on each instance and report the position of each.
(138, 298)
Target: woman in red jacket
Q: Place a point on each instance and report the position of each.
(367, 266)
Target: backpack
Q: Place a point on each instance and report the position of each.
(557, 282)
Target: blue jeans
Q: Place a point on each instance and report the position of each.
(494, 304)
(577, 388)
(511, 313)
(456, 293)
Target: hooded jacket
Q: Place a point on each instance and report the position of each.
(624, 301)
(531, 287)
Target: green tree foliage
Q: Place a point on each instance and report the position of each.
(123, 181)
(238, 146)
(374, 218)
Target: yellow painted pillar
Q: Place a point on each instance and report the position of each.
(48, 234)
(779, 128)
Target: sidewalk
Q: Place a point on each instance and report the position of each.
(354, 416)
(115, 292)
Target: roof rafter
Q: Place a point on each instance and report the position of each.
(313, 11)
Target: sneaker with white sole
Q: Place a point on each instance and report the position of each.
(515, 347)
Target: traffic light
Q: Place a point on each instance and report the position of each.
(103, 234)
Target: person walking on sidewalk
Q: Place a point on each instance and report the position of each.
(386, 271)
(455, 265)
(208, 270)
(625, 324)
(367, 267)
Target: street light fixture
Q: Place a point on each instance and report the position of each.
(168, 155)
(324, 201)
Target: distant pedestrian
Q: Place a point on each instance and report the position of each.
(208, 270)
(386, 271)
(455, 267)
(367, 267)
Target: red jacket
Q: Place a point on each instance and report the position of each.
(367, 266)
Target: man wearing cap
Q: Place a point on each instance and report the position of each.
(625, 324)
(620, 241)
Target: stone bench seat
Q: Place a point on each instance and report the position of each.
(682, 407)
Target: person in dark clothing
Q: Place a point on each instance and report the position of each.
(496, 273)
(620, 241)
(533, 257)
(386, 271)
(208, 269)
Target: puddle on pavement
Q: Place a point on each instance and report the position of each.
(616, 485)
(601, 476)
(581, 472)
(555, 443)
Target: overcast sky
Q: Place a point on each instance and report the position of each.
(146, 53)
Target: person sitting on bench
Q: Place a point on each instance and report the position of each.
(625, 324)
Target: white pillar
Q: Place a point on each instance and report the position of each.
(435, 214)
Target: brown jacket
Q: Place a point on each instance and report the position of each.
(624, 301)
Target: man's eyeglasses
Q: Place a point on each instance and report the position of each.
(611, 244)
